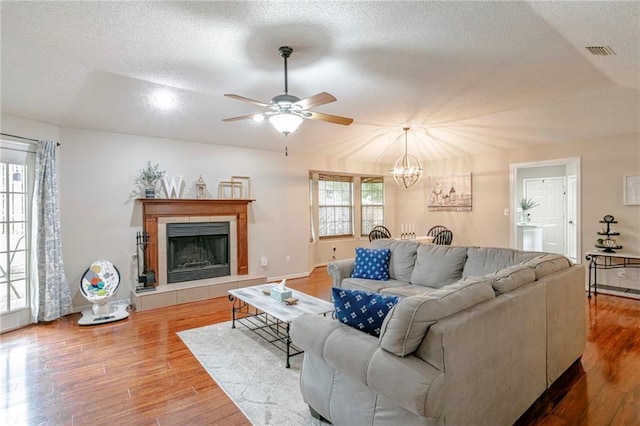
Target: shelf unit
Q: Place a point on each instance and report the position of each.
(608, 244)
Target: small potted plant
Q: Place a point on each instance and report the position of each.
(525, 205)
(148, 179)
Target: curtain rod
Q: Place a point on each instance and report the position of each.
(23, 138)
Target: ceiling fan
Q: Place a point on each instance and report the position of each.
(287, 111)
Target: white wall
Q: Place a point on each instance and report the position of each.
(99, 220)
(604, 162)
(486, 223)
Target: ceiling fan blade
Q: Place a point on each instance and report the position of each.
(335, 119)
(241, 117)
(315, 100)
(242, 98)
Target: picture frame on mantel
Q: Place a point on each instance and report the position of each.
(228, 190)
(246, 186)
(631, 190)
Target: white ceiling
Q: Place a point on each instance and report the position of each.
(467, 77)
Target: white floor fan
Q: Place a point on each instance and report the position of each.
(98, 284)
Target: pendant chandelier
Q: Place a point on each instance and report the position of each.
(407, 170)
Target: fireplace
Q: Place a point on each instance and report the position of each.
(157, 213)
(197, 250)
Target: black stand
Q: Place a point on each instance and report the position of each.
(610, 260)
(148, 277)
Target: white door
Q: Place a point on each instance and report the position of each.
(549, 193)
(572, 218)
(16, 190)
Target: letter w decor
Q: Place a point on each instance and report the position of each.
(172, 187)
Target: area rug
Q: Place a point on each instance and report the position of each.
(252, 373)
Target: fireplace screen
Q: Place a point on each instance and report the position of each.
(197, 250)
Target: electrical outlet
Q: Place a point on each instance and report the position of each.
(288, 259)
(264, 261)
(506, 212)
(622, 273)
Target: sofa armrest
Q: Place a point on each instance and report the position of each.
(310, 332)
(339, 270)
(342, 347)
(409, 382)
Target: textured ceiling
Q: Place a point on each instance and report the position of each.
(467, 77)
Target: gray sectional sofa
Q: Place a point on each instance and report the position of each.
(476, 338)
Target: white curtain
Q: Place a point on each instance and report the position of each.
(50, 294)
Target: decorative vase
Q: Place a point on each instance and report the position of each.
(150, 193)
(524, 217)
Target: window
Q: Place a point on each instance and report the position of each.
(335, 205)
(344, 205)
(372, 203)
(13, 234)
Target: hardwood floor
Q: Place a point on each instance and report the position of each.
(138, 371)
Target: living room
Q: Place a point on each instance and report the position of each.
(475, 115)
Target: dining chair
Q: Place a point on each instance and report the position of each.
(379, 232)
(436, 230)
(444, 238)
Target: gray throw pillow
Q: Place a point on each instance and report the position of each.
(437, 266)
(403, 257)
(508, 279)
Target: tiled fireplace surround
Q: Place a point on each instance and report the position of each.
(157, 213)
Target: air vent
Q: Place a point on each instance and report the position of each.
(601, 50)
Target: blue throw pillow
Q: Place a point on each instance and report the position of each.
(371, 264)
(362, 310)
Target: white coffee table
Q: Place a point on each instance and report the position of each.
(271, 319)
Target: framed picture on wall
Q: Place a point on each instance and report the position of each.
(449, 193)
(632, 190)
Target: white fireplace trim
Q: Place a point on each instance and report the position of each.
(161, 273)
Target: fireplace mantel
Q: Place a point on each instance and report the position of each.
(153, 208)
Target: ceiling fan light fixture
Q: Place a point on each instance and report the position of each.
(407, 170)
(285, 122)
(286, 110)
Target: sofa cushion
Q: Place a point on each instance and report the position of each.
(406, 325)
(362, 310)
(437, 266)
(487, 260)
(508, 279)
(370, 285)
(408, 290)
(548, 263)
(372, 264)
(403, 257)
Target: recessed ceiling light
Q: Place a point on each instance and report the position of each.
(163, 99)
